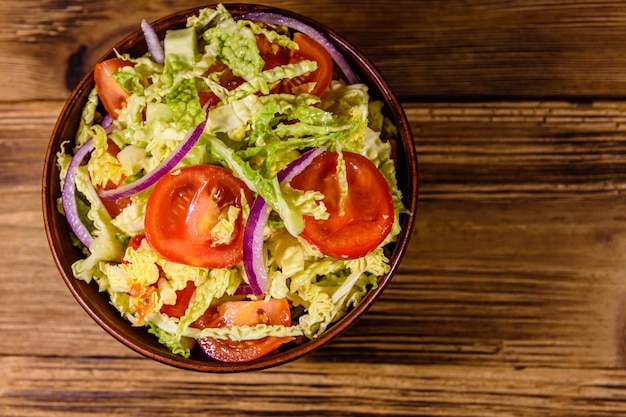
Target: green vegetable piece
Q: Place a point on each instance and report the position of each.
(180, 48)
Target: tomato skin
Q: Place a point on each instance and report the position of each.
(368, 210)
(244, 313)
(135, 242)
(227, 80)
(315, 83)
(115, 207)
(272, 53)
(208, 97)
(182, 209)
(321, 77)
(183, 296)
(112, 95)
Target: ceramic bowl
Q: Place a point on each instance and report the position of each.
(97, 305)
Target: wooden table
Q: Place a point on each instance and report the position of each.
(511, 300)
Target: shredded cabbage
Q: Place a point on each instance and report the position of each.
(253, 131)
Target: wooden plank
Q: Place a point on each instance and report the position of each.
(457, 50)
(517, 149)
(57, 386)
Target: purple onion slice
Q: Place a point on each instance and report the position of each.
(253, 262)
(68, 195)
(163, 168)
(154, 43)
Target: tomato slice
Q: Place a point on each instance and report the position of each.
(182, 210)
(227, 80)
(317, 81)
(182, 301)
(244, 313)
(135, 242)
(367, 215)
(112, 95)
(272, 53)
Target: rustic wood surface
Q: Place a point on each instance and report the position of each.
(511, 300)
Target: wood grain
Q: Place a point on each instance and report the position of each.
(309, 387)
(429, 50)
(511, 299)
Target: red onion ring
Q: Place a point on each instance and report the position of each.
(68, 195)
(107, 123)
(316, 35)
(243, 289)
(253, 263)
(154, 43)
(163, 168)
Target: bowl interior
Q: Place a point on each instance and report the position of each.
(96, 304)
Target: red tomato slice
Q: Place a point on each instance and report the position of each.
(182, 301)
(367, 215)
(272, 53)
(316, 82)
(112, 95)
(244, 313)
(227, 80)
(114, 207)
(208, 97)
(183, 208)
(135, 242)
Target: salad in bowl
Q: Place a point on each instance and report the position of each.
(234, 191)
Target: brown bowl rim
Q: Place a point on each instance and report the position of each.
(107, 317)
